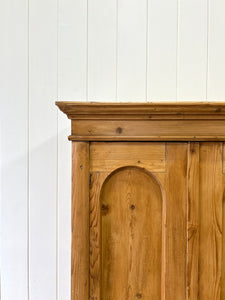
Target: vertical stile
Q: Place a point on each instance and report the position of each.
(211, 199)
(192, 221)
(80, 221)
(176, 216)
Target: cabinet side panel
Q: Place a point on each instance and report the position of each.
(80, 221)
(211, 198)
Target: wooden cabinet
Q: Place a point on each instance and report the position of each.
(148, 184)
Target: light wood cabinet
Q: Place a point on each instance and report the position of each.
(148, 184)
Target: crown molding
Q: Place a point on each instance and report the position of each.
(172, 121)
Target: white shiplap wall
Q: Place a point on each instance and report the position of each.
(86, 50)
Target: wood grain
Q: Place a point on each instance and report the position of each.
(176, 221)
(156, 235)
(106, 156)
(146, 121)
(96, 182)
(80, 221)
(193, 221)
(94, 130)
(211, 200)
(222, 283)
(108, 109)
(131, 230)
(223, 157)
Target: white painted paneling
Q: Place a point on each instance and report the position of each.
(43, 149)
(72, 85)
(131, 68)
(72, 50)
(102, 50)
(82, 50)
(13, 148)
(192, 50)
(162, 50)
(64, 208)
(216, 51)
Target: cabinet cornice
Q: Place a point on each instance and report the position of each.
(172, 121)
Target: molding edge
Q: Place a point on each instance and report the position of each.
(164, 121)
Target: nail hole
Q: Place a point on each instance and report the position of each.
(132, 206)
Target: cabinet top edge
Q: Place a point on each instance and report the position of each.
(79, 110)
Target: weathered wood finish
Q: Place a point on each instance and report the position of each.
(148, 218)
(211, 209)
(146, 121)
(106, 157)
(131, 236)
(80, 221)
(193, 221)
(176, 221)
(131, 223)
(158, 130)
(90, 110)
(96, 183)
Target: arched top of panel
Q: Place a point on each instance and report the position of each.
(132, 239)
(151, 176)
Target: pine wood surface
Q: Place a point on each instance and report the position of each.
(193, 222)
(80, 221)
(131, 207)
(132, 256)
(148, 218)
(107, 156)
(145, 121)
(211, 210)
(97, 109)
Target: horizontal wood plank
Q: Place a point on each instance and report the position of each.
(186, 130)
(175, 121)
(106, 157)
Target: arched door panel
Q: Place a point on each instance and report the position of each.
(138, 221)
(131, 235)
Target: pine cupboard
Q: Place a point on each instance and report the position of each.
(148, 218)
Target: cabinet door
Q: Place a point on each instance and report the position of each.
(156, 221)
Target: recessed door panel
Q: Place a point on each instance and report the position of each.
(131, 236)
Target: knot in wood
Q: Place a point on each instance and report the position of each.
(132, 206)
(139, 295)
(119, 130)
